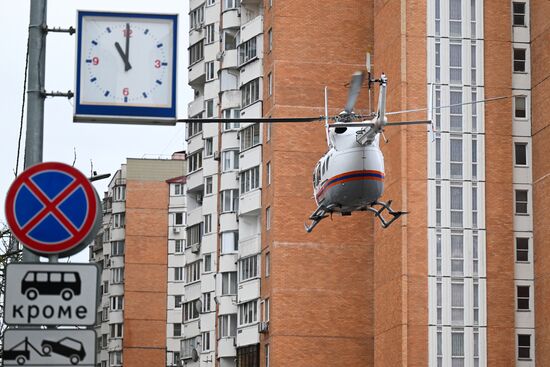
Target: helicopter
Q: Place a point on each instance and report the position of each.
(350, 175)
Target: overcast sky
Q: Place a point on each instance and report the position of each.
(107, 146)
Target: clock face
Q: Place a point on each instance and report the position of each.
(126, 63)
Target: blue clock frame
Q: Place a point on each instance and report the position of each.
(118, 113)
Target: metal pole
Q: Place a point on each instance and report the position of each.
(35, 97)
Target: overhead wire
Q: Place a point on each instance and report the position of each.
(24, 99)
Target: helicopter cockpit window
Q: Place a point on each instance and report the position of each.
(318, 173)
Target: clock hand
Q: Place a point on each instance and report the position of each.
(127, 65)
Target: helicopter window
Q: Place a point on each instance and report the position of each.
(318, 173)
(328, 158)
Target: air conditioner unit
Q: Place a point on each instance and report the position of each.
(263, 327)
(216, 156)
(196, 247)
(176, 229)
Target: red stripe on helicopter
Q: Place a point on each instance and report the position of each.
(351, 176)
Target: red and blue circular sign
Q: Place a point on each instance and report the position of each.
(53, 209)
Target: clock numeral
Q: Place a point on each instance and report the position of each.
(124, 33)
(125, 92)
(95, 60)
(157, 64)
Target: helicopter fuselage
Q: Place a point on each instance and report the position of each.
(350, 176)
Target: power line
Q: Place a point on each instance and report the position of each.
(22, 108)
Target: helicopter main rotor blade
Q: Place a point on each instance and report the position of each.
(448, 106)
(354, 89)
(254, 119)
(417, 122)
(351, 124)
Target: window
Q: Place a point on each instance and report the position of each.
(115, 358)
(521, 202)
(520, 153)
(229, 283)
(178, 273)
(268, 132)
(456, 110)
(207, 220)
(208, 147)
(268, 218)
(250, 179)
(455, 63)
(118, 220)
(195, 161)
(178, 189)
(268, 173)
(230, 159)
(119, 193)
(205, 341)
(270, 39)
(457, 303)
(229, 4)
(117, 302)
(456, 206)
(179, 246)
(520, 107)
(194, 235)
(266, 309)
(176, 329)
(519, 60)
(207, 302)
(209, 108)
(191, 310)
(455, 18)
(248, 267)
(231, 113)
(270, 84)
(210, 34)
(178, 301)
(457, 254)
(207, 263)
(196, 52)
(522, 249)
(524, 346)
(176, 358)
(227, 325)
(229, 40)
(267, 355)
(518, 9)
(187, 346)
(117, 248)
(209, 68)
(104, 340)
(208, 186)
(105, 287)
(457, 348)
(116, 330)
(196, 17)
(117, 275)
(193, 272)
(267, 264)
(105, 314)
(193, 128)
(250, 92)
(248, 313)
(522, 292)
(230, 201)
(247, 51)
(248, 356)
(456, 157)
(250, 136)
(178, 219)
(210, 2)
(230, 242)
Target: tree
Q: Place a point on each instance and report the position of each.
(10, 251)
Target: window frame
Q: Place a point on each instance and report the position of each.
(519, 65)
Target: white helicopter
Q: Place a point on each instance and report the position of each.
(350, 176)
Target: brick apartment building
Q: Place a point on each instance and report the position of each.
(461, 280)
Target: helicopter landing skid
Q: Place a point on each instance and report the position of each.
(384, 206)
(318, 215)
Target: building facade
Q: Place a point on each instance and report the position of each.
(137, 255)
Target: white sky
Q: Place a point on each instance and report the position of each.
(106, 145)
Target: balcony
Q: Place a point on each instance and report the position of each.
(196, 73)
(230, 59)
(249, 290)
(231, 99)
(195, 181)
(231, 18)
(195, 107)
(226, 347)
(248, 335)
(252, 28)
(250, 203)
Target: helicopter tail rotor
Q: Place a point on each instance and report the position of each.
(354, 89)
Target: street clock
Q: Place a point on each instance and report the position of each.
(126, 68)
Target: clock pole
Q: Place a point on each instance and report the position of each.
(35, 94)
